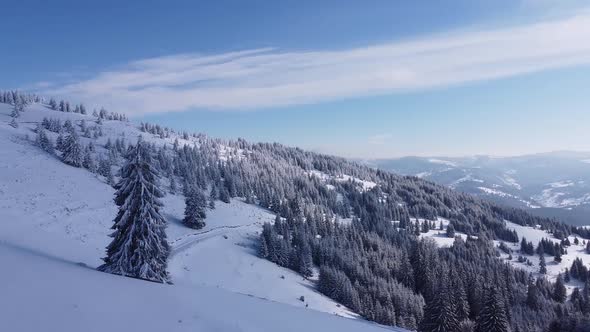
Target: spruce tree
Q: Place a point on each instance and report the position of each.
(43, 141)
(139, 248)
(492, 317)
(542, 264)
(72, 151)
(195, 205)
(439, 313)
(559, 291)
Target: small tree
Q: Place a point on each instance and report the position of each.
(195, 205)
(451, 231)
(72, 151)
(542, 263)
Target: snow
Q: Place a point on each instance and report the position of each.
(65, 296)
(56, 220)
(561, 184)
(440, 236)
(500, 193)
(365, 185)
(423, 174)
(510, 181)
(532, 234)
(442, 162)
(535, 235)
(550, 197)
(468, 177)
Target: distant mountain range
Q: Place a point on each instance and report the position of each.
(555, 184)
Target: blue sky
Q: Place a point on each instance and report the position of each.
(360, 79)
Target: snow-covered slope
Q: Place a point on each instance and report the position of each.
(551, 184)
(531, 234)
(54, 220)
(48, 293)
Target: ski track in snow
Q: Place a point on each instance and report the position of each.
(195, 238)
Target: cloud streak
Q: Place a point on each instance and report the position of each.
(262, 78)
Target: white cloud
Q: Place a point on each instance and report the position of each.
(269, 77)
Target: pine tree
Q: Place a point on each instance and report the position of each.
(88, 161)
(139, 248)
(492, 317)
(53, 104)
(173, 187)
(72, 151)
(194, 211)
(43, 141)
(59, 143)
(532, 296)
(542, 264)
(559, 290)
(305, 261)
(439, 313)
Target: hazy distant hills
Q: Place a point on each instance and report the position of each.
(555, 184)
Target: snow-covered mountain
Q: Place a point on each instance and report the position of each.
(55, 221)
(551, 184)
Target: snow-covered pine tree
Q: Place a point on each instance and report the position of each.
(492, 317)
(13, 123)
(559, 290)
(53, 104)
(72, 151)
(43, 141)
(195, 205)
(88, 161)
(542, 263)
(139, 248)
(173, 188)
(439, 313)
(59, 143)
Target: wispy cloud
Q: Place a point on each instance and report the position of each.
(269, 77)
(379, 139)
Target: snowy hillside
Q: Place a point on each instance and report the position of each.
(551, 184)
(56, 220)
(531, 234)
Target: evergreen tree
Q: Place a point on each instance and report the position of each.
(139, 248)
(542, 264)
(492, 317)
(532, 297)
(194, 211)
(88, 161)
(439, 313)
(559, 290)
(173, 188)
(53, 104)
(43, 141)
(72, 151)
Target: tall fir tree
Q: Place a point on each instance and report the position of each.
(139, 248)
(559, 290)
(440, 314)
(492, 317)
